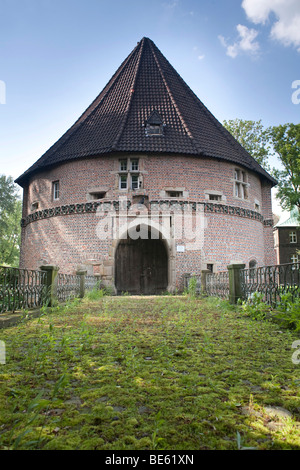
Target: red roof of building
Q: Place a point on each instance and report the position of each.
(145, 90)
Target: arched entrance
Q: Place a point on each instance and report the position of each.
(141, 266)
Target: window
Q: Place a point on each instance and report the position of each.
(214, 197)
(293, 237)
(154, 129)
(210, 267)
(129, 176)
(257, 207)
(98, 195)
(240, 184)
(154, 124)
(55, 190)
(134, 165)
(123, 165)
(295, 259)
(134, 181)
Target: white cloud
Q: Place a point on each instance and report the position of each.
(199, 56)
(245, 43)
(286, 27)
(172, 4)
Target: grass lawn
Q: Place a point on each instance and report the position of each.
(144, 373)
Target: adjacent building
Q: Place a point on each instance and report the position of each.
(287, 239)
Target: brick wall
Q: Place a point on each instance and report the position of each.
(71, 241)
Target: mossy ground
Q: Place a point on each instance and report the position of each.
(169, 372)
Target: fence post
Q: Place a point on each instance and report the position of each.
(51, 283)
(235, 289)
(82, 283)
(204, 273)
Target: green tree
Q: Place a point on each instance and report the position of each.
(286, 143)
(10, 216)
(253, 137)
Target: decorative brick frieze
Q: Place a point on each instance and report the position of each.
(92, 207)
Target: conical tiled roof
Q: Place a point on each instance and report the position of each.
(146, 85)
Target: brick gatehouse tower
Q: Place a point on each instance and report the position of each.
(145, 187)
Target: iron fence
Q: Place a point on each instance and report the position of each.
(187, 282)
(92, 282)
(68, 286)
(217, 284)
(271, 282)
(21, 289)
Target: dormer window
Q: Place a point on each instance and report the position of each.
(154, 129)
(154, 125)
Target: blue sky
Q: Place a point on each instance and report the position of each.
(240, 57)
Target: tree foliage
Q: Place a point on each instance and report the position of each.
(286, 142)
(10, 216)
(253, 137)
(282, 141)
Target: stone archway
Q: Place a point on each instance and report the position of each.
(142, 265)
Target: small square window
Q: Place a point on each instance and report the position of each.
(215, 197)
(98, 195)
(174, 193)
(34, 206)
(55, 190)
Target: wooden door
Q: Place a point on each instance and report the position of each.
(141, 267)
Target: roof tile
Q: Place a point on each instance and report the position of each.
(115, 122)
